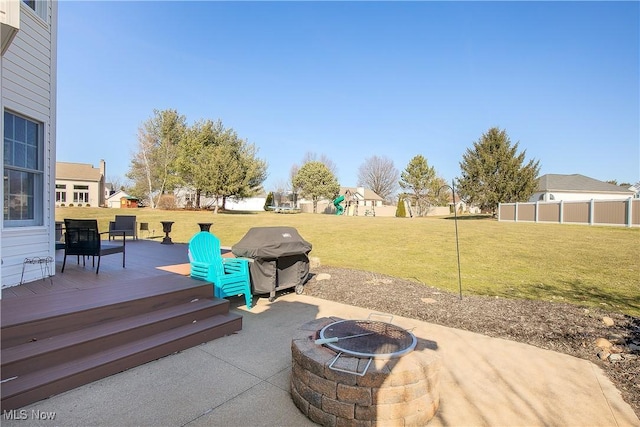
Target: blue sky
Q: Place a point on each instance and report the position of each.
(350, 80)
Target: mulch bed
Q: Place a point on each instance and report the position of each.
(560, 327)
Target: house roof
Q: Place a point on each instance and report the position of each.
(77, 172)
(577, 183)
(368, 194)
(120, 194)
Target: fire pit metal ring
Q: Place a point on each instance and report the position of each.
(366, 339)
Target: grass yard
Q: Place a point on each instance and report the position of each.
(586, 265)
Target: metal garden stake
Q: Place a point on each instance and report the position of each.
(455, 216)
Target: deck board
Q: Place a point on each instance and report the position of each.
(44, 305)
(143, 257)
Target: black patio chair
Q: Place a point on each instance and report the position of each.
(82, 238)
(126, 223)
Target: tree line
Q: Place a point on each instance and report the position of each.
(214, 161)
(493, 171)
(206, 157)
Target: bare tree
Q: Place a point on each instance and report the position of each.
(117, 182)
(380, 175)
(322, 158)
(152, 167)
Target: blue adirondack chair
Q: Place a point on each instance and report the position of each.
(230, 276)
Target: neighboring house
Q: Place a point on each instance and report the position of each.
(555, 187)
(250, 204)
(186, 198)
(361, 196)
(461, 205)
(80, 184)
(636, 190)
(120, 199)
(109, 189)
(357, 201)
(28, 103)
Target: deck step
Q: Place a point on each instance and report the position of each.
(35, 355)
(63, 377)
(55, 342)
(25, 319)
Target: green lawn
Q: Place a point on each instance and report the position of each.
(586, 265)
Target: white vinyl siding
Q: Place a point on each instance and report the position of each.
(28, 80)
(577, 196)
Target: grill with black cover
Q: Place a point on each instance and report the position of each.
(280, 259)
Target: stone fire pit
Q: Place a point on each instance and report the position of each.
(397, 391)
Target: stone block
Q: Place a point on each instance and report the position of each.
(399, 394)
(337, 408)
(343, 422)
(423, 416)
(339, 377)
(352, 394)
(322, 385)
(312, 357)
(386, 412)
(318, 416)
(299, 401)
(313, 397)
(298, 372)
(314, 262)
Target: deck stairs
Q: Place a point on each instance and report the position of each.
(54, 342)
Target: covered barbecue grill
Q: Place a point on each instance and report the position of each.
(280, 259)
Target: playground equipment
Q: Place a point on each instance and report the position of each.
(348, 204)
(338, 206)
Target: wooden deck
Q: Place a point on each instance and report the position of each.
(144, 258)
(78, 326)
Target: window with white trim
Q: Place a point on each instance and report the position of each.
(38, 6)
(61, 193)
(80, 194)
(23, 171)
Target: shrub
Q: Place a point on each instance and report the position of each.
(88, 205)
(401, 212)
(70, 205)
(269, 202)
(167, 202)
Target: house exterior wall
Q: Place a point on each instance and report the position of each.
(253, 204)
(81, 178)
(94, 192)
(546, 196)
(28, 79)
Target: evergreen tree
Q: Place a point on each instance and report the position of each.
(494, 172)
(215, 161)
(268, 203)
(316, 181)
(401, 212)
(421, 185)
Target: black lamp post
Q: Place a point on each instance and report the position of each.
(455, 216)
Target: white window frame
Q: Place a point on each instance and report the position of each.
(37, 173)
(40, 8)
(61, 193)
(80, 194)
